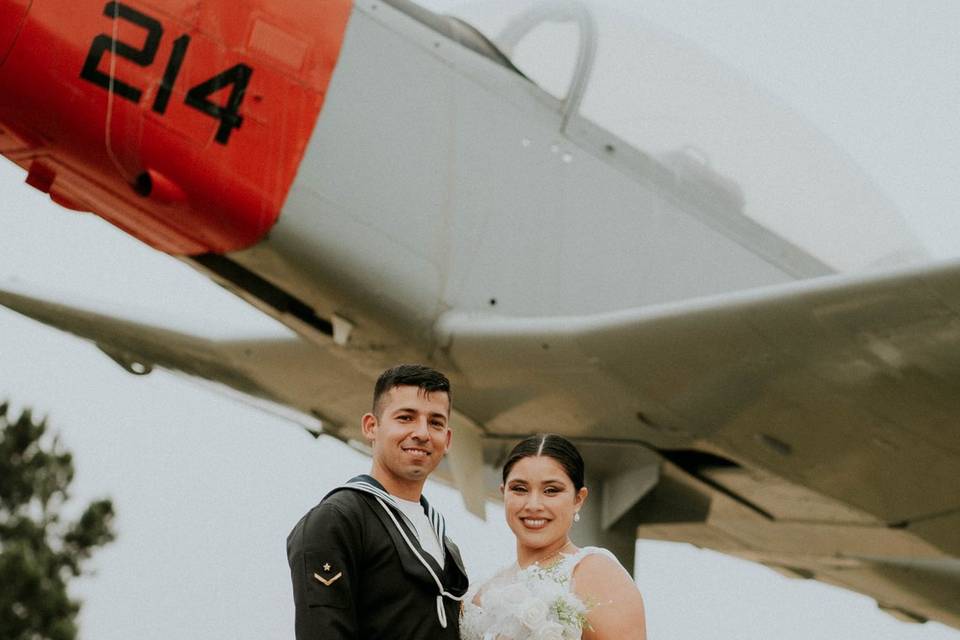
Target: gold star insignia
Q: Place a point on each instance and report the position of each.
(326, 566)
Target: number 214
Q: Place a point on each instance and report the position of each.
(198, 97)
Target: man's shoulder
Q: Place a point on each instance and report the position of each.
(339, 503)
(343, 499)
(344, 511)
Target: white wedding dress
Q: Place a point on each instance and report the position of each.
(528, 604)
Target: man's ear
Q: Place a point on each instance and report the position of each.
(368, 424)
(449, 440)
(501, 489)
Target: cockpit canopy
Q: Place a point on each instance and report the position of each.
(700, 120)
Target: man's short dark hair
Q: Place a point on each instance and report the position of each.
(409, 375)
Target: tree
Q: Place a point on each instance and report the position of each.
(39, 551)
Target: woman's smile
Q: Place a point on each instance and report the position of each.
(534, 523)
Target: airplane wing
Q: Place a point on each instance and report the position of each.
(286, 374)
(811, 427)
(301, 380)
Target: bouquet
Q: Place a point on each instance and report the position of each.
(537, 605)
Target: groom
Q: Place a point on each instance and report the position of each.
(371, 561)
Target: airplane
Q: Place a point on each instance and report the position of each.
(752, 353)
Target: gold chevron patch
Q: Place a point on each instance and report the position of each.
(329, 582)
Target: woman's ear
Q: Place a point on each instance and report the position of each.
(581, 497)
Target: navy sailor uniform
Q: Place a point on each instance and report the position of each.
(360, 573)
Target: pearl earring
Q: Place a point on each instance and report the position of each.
(576, 517)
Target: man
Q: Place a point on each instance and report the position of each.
(371, 561)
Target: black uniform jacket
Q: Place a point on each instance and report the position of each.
(355, 577)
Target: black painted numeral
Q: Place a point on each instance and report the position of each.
(170, 74)
(103, 43)
(199, 97)
(229, 114)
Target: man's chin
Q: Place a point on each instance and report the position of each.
(418, 472)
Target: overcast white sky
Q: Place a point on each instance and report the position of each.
(206, 489)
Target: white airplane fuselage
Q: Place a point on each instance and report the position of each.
(437, 179)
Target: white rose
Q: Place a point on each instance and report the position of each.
(515, 594)
(486, 620)
(549, 631)
(551, 590)
(511, 629)
(491, 599)
(533, 612)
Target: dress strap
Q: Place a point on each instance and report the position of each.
(587, 551)
(570, 562)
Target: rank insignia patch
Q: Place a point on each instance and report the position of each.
(326, 579)
(330, 579)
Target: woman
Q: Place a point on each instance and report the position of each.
(554, 591)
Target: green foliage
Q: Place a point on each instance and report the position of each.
(40, 552)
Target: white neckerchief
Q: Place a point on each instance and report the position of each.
(439, 527)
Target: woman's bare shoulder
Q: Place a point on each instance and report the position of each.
(599, 565)
(615, 606)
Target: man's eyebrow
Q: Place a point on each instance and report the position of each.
(432, 414)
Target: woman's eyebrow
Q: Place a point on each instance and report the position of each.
(547, 481)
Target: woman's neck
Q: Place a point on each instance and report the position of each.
(530, 555)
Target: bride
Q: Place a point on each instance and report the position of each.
(554, 591)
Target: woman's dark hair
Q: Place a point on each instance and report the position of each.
(554, 446)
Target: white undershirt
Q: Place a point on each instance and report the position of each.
(425, 532)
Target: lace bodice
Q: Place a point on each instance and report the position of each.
(528, 604)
